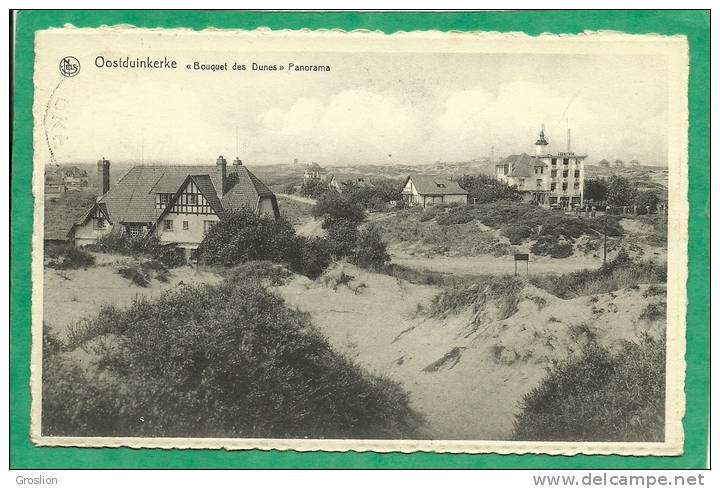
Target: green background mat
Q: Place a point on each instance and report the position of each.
(693, 24)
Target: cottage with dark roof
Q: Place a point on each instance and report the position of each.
(428, 190)
(177, 203)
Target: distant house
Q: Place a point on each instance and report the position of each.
(634, 163)
(177, 203)
(340, 184)
(313, 172)
(604, 163)
(75, 178)
(60, 179)
(618, 164)
(428, 190)
(54, 181)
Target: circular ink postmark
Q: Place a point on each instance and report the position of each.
(69, 66)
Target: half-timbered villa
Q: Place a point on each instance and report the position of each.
(177, 203)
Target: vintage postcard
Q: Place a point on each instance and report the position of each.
(327, 240)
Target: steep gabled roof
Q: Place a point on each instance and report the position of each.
(520, 165)
(245, 189)
(132, 199)
(435, 185)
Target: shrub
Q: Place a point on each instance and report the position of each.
(620, 191)
(68, 258)
(654, 312)
(412, 275)
(370, 250)
(216, 361)
(244, 236)
(483, 189)
(334, 207)
(289, 189)
(548, 245)
(615, 275)
(314, 187)
(136, 274)
(599, 396)
(115, 242)
(516, 233)
(262, 271)
(500, 291)
(342, 237)
(458, 215)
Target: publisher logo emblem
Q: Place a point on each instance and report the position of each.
(69, 66)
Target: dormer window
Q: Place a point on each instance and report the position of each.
(441, 185)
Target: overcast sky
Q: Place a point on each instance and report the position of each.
(370, 108)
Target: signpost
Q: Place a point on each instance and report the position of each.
(522, 257)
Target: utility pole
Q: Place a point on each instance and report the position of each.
(607, 209)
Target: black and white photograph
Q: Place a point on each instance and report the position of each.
(358, 241)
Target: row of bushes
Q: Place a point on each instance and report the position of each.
(244, 236)
(230, 360)
(553, 232)
(67, 257)
(167, 254)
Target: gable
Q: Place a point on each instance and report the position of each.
(435, 185)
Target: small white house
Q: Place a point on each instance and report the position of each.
(428, 190)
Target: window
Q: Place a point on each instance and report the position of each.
(553, 173)
(135, 230)
(441, 185)
(576, 185)
(552, 187)
(100, 223)
(577, 173)
(538, 182)
(566, 161)
(192, 199)
(522, 182)
(164, 199)
(564, 186)
(554, 161)
(186, 225)
(565, 173)
(168, 225)
(207, 226)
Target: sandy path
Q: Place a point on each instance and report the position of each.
(478, 265)
(304, 200)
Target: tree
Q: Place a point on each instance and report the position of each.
(243, 236)
(314, 187)
(334, 207)
(483, 189)
(620, 191)
(595, 189)
(370, 250)
(646, 199)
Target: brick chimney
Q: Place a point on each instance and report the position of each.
(222, 166)
(237, 162)
(103, 175)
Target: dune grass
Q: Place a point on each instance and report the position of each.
(599, 396)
